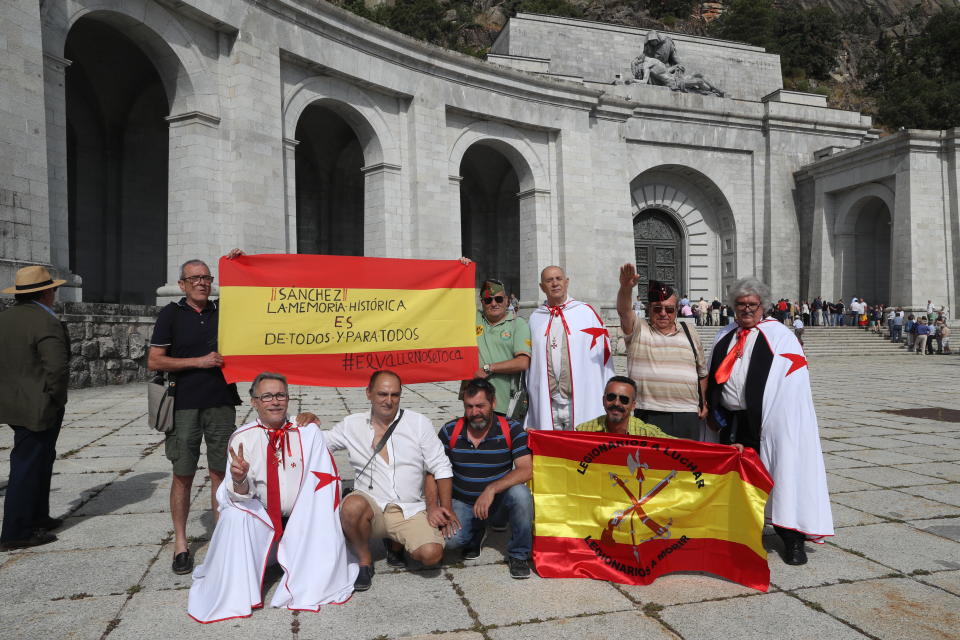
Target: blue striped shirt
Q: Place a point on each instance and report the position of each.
(476, 467)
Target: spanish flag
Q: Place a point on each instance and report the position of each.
(629, 509)
(334, 320)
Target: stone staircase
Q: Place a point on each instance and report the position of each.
(830, 341)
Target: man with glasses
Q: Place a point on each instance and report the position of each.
(504, 342)
(491, 466)
(282, 497)
(403, 481)
(570, 357)
(759, 392)
(665, 359)
(184, 343)
(619, 400)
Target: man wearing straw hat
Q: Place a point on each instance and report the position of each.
(35, 352)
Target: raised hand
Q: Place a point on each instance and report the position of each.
(628, 276)
(238, 466)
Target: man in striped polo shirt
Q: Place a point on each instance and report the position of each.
(491, 465)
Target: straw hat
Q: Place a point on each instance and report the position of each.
(30, 279)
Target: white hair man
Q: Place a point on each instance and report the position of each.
(759, 396)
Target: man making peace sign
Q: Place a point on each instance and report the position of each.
(281, 504)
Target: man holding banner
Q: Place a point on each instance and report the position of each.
(570, 358)
(759, 396)
(391, 499)
(503, 339)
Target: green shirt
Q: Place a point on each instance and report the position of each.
(636, 427)
(502, 341)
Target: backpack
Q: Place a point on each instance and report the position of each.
(458, 429)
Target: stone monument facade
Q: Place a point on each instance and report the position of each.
(142, 133)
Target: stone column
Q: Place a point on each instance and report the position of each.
(384, 232)
(194, 224)
(290, 192)
(845, 268)
(538, 244)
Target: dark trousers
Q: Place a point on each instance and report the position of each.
(678, 425)
(28, 491)
(742, 433)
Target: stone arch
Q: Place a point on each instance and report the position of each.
(363, 112)
(862, 244)
(704, 217)
(158, 32)
(511, 143)
(520, 198)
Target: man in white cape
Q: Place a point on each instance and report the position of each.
(283, 504)
(570, 358)
(759, 396)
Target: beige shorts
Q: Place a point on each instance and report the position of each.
(412, 532)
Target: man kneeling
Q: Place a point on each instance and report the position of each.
(284, 498)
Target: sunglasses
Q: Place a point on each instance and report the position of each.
(657, 308)
(498, 299)
(624, 400)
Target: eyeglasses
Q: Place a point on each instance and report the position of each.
(659, 308)
(747, 306)
(624, 400)
(489, 299)
(198, 279)
(270, 397)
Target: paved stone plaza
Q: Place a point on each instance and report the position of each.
(893, 569)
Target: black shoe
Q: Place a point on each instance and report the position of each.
(38, 538)
(182, 563)
(364, 579)
(794, 553)
(519, 568)
(48, 524)
(396, 558)
(472, 553)
(498, 528)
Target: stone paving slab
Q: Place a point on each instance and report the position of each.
(599, 627)
(891, 608)
(894, 483)
(757, 617)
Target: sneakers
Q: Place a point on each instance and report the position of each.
(472, 553)
(396, 558)
(519, 568)
(182, 563)
(364, 579)
(48, 524)
(498, 528)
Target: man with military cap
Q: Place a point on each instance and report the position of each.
(35, 352)
(504, 341)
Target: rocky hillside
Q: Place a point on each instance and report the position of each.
(856, 27)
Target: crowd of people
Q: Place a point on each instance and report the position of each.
(417, 489)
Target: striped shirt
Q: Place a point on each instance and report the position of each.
(476, 467)
(664, 368)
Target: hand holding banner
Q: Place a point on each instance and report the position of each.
(333, 320)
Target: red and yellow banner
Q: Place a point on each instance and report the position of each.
(629, 509)
(334, 320)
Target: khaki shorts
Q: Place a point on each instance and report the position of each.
(214, 425)
(412, 533)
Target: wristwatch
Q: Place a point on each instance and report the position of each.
(487, 369)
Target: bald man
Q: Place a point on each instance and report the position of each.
(570, 358)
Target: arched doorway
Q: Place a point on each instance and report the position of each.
(329, 179)
(867, 269)
(490, 214)
(117, 164)
(659, 249)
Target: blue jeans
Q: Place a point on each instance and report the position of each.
(515, 505)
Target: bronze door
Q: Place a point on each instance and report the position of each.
(659, 248)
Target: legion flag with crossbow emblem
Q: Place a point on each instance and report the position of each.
(629, 509)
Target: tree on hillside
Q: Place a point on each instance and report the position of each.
(806, 39)
(915, 78)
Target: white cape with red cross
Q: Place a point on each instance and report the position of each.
(790, 438)
(591, 364)
(312, 551)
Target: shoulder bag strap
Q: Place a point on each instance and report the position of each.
(380, 445)
(694, 349)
